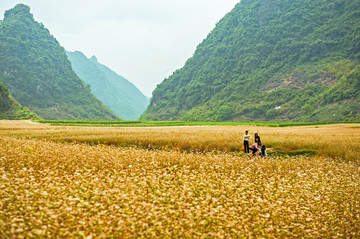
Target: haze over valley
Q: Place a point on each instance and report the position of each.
(264, 61)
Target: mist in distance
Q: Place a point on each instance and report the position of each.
(144, 41)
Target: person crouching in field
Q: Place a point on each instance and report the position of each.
(246, 141)
(254, 148)
(263, 151)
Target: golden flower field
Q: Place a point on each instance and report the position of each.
(178, 182)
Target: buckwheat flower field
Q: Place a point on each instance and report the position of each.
(178, 182)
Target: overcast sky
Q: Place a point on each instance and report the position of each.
(143, 40)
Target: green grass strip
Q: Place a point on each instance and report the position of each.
(125, 123)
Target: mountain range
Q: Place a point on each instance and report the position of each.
(123, 98)
(296, 60)
(266, 60)
(36, 71)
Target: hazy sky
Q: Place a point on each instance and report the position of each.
(143, 40)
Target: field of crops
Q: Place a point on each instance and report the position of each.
(136, 123)
(185, 181)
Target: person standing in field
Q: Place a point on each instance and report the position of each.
(257, 139)
(246, 141)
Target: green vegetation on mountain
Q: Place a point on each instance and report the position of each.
(283, 60)
(11, 109)
(38, 74)
(138, 123)
(113, 90)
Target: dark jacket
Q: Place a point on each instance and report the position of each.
(257, 140)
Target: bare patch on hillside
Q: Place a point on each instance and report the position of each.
(298, 81)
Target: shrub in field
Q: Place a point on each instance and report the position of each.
(306, 152)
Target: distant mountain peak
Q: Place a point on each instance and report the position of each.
(19, 10)
(115, 91)
(93, 59)
(35, 69)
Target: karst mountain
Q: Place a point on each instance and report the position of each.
(123, 97)
(37, 73)
(279, 60)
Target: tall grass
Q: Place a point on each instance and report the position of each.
(340, 141)
(71, 190)
(75, 182)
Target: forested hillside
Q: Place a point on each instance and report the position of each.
(38, 74)
(113, 90)
(10, 108)
(270, 60)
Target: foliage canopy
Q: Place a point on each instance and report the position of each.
(11, 109)
(38, 74)
(270, 60)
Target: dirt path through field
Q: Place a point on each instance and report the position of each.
(21, 124)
